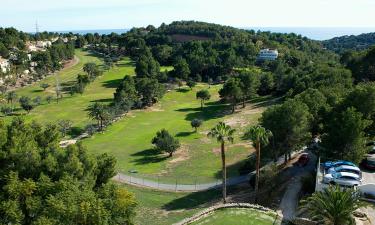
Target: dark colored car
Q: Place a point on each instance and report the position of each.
(369, 163)
(303, 159)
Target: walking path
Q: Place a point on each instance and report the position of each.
(127, 179)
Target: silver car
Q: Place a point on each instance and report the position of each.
(342, 179)
(346, 168)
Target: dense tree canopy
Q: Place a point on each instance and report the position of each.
(44, 184)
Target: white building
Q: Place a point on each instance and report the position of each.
(4, 65)
(268, 54)
(43, 44)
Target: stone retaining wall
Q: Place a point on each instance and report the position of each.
(223, 206)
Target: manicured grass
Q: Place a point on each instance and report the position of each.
(237, 217)
(64, 76)
(74, 107)
(198, 160)
(165, 208)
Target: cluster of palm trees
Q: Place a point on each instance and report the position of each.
(333, 206)
(256, 134)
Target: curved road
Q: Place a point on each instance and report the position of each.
(122, 178)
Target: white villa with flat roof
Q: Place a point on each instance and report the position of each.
(268, 54)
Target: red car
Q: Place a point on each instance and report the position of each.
(303, 159)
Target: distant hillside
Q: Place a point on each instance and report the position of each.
(352, 42)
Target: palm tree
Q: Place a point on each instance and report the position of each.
(258, 135)
(334, 205)
(98, 112)
(223, 133)
(11, 96)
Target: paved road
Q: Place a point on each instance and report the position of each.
(289, 202)
(122, 178)
(127, 179)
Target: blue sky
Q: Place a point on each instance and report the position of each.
(105, 14)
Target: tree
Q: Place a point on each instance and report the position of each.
(223, 134)
(149, 90)
(44, 86)
(92, 70)
(196, 123)
(49, 99)
(164, 142)
(106, 169)
(267, 84)
(147, 66)
(37, 100)
(26, 104)
(345, 136)
(126, 93)
(203, 95)
(181, 69)
(231, 91)
(43, 184)
(290, 126)
(191, 84)
(65, 126)
(99, 112)
(334, 205)
(11, 97)
(258, 135)
(6, 110)
(249, 83)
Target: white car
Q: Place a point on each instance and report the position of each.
(345, 168)
(342, 179)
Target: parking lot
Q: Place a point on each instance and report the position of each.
(368, 177)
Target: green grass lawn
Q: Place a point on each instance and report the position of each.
(165, 208)
(237, 217)
(73, 108)
(197, 160)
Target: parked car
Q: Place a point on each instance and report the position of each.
(303, 159)
(342, 179)
(345, 168)
(330, 164)
(369, 162)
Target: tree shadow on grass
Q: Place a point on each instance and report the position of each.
(194, 200)
(37, 90)
(103, 100)
(112, 83)
(127, 64)
(148, 156)
(183, 90)
(184, 133)
(209, 112)
(234, 170)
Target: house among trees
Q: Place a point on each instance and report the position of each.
(268, 54)
(4, 65)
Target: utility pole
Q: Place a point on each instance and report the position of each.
(36, 27)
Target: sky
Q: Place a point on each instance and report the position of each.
(69, 15)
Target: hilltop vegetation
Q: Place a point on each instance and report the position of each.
(153, 95)
(352, 42)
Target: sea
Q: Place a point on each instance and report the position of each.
(315, 33)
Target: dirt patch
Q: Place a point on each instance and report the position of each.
(252, 111)
(236, 122)
(205, 140)
(154, 108)
(181, 154)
